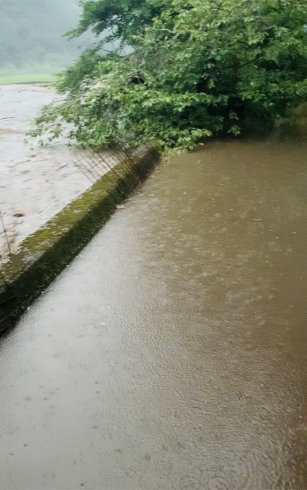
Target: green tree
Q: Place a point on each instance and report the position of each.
(122, 19)
(199, 68)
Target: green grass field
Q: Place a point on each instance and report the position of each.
(26, 78)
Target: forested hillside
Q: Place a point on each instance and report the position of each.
(31, 34)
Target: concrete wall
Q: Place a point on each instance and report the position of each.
(47, 252)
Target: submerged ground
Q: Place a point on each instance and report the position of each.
(172, 353)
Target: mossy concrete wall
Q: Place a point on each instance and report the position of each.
(47, 252)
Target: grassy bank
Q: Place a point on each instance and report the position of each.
(26, 78)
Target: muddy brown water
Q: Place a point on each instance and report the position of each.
(172, 353)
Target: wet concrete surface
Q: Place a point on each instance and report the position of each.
(172, 353)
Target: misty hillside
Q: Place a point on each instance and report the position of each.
(30, 34)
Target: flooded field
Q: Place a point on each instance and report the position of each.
(172, 353)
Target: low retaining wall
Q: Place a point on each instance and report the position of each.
(46, 253)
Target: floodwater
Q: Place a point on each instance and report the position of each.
(35, 182)
(172, 353)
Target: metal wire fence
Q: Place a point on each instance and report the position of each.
(95, 165)
(5, 247)
(5, 251)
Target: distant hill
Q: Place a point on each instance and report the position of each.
(31, 35)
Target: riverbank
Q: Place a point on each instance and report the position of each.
(47, 252)
(35, 182)
(48, 206)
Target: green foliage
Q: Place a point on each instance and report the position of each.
(199, 68)
(85, 66)
(122, 19)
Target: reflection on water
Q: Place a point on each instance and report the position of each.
(173, 352)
